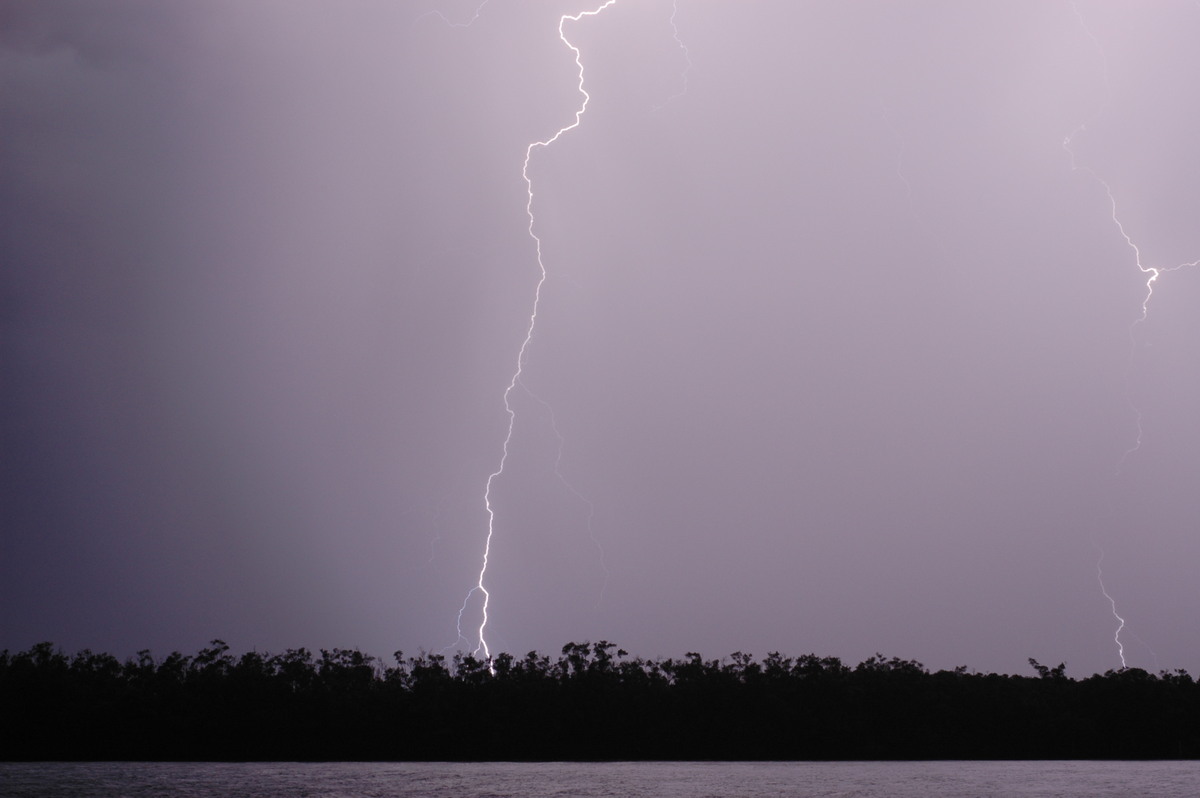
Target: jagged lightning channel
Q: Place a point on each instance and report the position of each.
(687, 57)
(1113, 604)
(479, 587)
(1152, 272)
(436, 13)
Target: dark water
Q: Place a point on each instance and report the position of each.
(609, 780)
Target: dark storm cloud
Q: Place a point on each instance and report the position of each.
(837, 342)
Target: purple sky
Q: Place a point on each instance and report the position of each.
(837, 341)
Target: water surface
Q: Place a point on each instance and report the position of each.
(601, 780)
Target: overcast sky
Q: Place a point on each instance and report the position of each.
(836, 353)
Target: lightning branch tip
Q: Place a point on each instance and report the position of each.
(1113, 606)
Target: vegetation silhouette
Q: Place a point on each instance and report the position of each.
(594, 702)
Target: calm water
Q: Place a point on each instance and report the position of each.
(607, 780)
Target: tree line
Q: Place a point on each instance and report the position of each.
(592, 702)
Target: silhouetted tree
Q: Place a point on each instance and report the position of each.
(592, 702)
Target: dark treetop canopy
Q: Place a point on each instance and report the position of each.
(592, 702)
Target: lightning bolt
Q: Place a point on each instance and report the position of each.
(686, 57)
(436, 13)
(1152, 273)
(1113, 604)
(479, 588)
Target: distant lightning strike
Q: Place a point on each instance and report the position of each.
(446, 19)
(687, 57)
(479, 587)
(1113, 604)
(1152, 272)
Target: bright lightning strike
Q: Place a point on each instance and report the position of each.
(1152, 273)
(479, 587)
(1113, 604)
